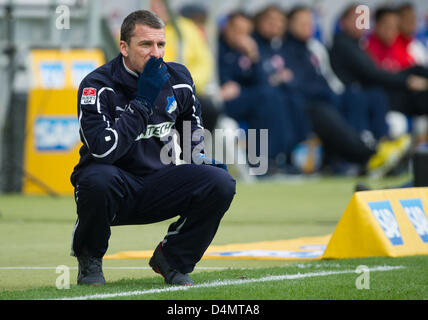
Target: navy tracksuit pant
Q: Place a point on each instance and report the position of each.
(366, 109)
(107, 196)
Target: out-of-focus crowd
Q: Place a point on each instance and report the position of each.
(347, 108)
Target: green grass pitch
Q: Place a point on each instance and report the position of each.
(35, 238)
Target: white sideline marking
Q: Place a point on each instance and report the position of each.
(225, 283)
(105, 268)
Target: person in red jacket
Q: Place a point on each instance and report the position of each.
(385, 46)
(392, 45)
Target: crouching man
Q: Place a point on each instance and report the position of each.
(125, 107)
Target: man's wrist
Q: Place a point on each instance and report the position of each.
(144, 104)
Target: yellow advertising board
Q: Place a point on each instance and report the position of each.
(389, 223)
(61, 69)
(305, 248)
(52, 130)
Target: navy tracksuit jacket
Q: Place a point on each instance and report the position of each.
(121, 179)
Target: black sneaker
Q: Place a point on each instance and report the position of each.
(161, 266)
(90, 271)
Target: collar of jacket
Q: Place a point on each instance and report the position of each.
(296, 47)
(346, 37)
(274, 44)
(291, 39)
(124, 76)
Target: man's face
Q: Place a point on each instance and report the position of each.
(408, 22)
(349, 25)
(272, 24)
(238, 28)
(302, 26)
(145, 43)
(387, 28)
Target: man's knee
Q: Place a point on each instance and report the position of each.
(99, 193)
(98, 179)
(224, 186)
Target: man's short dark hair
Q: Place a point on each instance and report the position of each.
(261, 14)
(381, 12)
(143, 17)
(404, 7)
(296, 9)
(348, 10)
(237, 14)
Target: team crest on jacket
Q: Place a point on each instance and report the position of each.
(172, 104)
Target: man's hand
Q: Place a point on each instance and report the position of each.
(281, 76)
(417, 83)
(247, 46)
(151, 81)
(212, 162)
(230, 90)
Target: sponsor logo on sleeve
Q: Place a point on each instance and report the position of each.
(89, 96)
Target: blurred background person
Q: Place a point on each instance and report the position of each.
(366, 107)
(382, 45)
(270, 27)
(393, 48)
(187, 44)
(247, 97)
(198, 14)
(354, 67)
(406, 40)
(388, 49)
(418, 52)
(392, 44)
